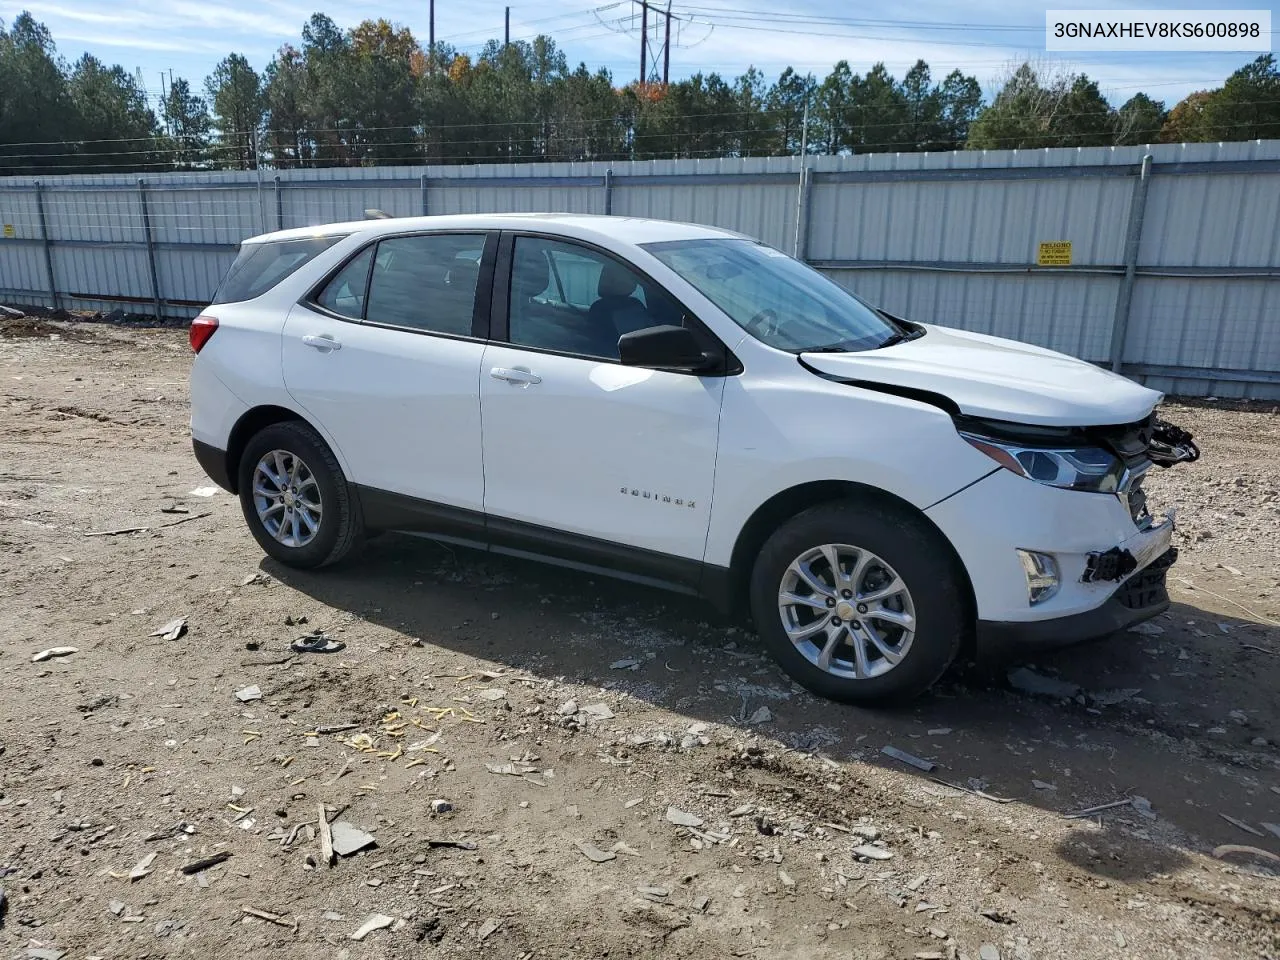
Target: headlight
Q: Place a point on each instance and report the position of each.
(1073, 468)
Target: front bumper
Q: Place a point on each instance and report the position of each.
(1141, 597)
(988, 522)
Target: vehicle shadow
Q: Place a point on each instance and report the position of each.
(1151, 716)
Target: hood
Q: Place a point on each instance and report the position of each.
(998, 379)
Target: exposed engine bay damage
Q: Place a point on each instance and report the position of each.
(1171, 444)
(1149, 440)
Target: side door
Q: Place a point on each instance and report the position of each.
(585, 458)
(385, 356)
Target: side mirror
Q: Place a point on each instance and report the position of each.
(664, 347)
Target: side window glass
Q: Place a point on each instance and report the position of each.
(573, 299)
(579, 277)
(344, 294)
(426, 282)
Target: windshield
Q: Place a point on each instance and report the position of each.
(778, 300)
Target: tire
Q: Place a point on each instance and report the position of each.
(894, 542)
(338, 525)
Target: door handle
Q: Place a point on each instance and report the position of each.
(322, 342)
(515, 375)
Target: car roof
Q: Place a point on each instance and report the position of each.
(633, 230)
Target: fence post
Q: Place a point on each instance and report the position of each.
(422, 182)
(800, 249)
(1132, 243)
(151, 247)
(44, 242)
(279, 204)
(608, 192)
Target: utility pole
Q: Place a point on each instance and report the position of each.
(506, 33)
(666, 49)
(804, 130)
(164, 105)
(802, 189)
(644, 39)
(431, 32)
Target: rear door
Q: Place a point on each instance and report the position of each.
(385, 356)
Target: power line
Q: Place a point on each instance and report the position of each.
(551, 19)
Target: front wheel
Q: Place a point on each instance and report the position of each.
(859, 602)
(295, 498)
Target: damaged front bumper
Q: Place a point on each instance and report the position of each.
(1140, 566)
(1143, 596)
(1138, 552)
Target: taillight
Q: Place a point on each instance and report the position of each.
(202, 328)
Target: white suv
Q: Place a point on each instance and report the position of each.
(688, 408)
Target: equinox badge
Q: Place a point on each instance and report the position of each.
(659, 498)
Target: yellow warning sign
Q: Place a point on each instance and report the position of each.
(9, 232)
(1054, 253)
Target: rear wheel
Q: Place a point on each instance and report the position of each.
(859, 602)
(295, 498)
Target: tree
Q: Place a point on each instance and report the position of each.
(381, 93)
(1017, 118)
(834, 98)
(1188, 121)
(372, 94)
(186, 118)
(922, 127)
(116, 128)
(590, 113)
(35, 105)
(504, 104)
(442, 100)
(235, 90)
(697, 117)
(1081, 116)
(326, 52)
(786, 105)
(878, 113)
(285, 100)
(750, 120)
(1248, 105)
(1139, 120)
(960, 103)
(1069, 111)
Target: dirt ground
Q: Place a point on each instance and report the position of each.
(134, 754)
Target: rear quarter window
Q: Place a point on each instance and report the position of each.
(260, 266)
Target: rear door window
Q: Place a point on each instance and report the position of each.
(260, 266)
(344, 294)
(426, 282)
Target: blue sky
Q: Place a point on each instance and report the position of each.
(981, 37)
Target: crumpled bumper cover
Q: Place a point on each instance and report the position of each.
(1141, 597)
(1136, 553)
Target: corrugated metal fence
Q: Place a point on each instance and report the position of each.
(1172, 276)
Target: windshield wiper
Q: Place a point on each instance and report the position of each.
(829, 348)
(901, 336)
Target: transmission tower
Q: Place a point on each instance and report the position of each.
(655, 41)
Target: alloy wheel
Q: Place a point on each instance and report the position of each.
(847, 611)
(286, 497)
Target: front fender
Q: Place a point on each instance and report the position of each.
(776, 435)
